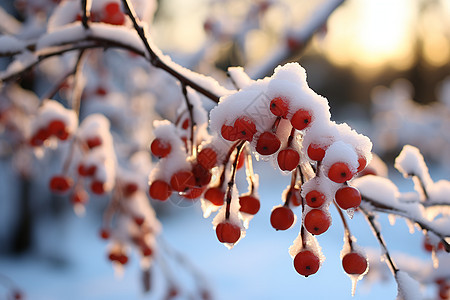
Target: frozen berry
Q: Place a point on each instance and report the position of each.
(193, 193)
(301, 119)
(354, 263)
(58, 129)
(160, 148)
(249, 204)
(245, 129)
(228, 132)
(160, 190)
(39, 137)
(98, 187)
(93, 142)
(185, 124)
(207, 158)
(362, 162)
(295, 199)
(129, 189)
(202, 175)
(215, 195)
(105, 234)
(348, 197)
(113, 15)
(288, 159)
(60, 184)
(228, 233)
(241, 160)
(317, 221)
(80, 196)
(315, 199)
(306, 263)
(279, 107)
(316, 152)
(182, 181)
(339, 172)
(268, 143)
(282, 218)
(84, 170)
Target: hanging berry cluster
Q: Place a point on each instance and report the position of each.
(278, 119)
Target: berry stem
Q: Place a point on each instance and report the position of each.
(275, 124)
(291, 137)
(77, 86)
(346, 227)
(190, 107)
(249, 171)
(370, 219)
(225, 162)
(231, 182)
(421, 184)
(291, 187)
(86, 10)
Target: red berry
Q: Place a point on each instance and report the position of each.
(207, 158)
(105, 234)
(185, 124)
(268, 143)
(293, 43)
(39, 137)
(160, 190)
(58, 129)
(316, 152)
(60, 184)
(301, 119)
(339, 172)
(317, 221)
(139, 220)
(249, 204)
(86, 170)
(193, 193)
(245, 128)
(146, 251)
(354, 263)
(160, 148)
(129, 189)
(182, 181)
(80, 196)
(202, 175)
(362, 162)
(112, 8)
(279, 107)
(288, 159)
(98, 187)
(348, 197)
(306, 263)
(93, 142)
(113, 15)
(17, 295)
(101, 91)
(430, 247)
(228, 233)
(122, 259)
(215, 195)
(282, 218)
(229, 133)
(315, 199)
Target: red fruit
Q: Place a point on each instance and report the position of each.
(86, 170)
(17, 295)
(105, 234)
(228, 233)
(80, 196)
(182, 181)
(315, 199)
(348, 197)
(202, 175)
(112, 8)
(60, 184)
(58, 129)
(279, 107)
(316, 152)
(193, 193)
(129, 189)
(249, 204)
(160, 190)
(113, 14)
(93, 142)
(354, 263)
(185, 124)
(301, 119)
(122, 259)
(293, 43)
(339, 172)
(160, 148)
(215, 195)
(306, 263)
(101, 91)
(288, 159)
(39, 137)
(317, 221)
(268, 143)
(362, 162)
(139, 220)
(282, 218)
(146, 251)
(97, 187)
(430, 247)
(229, 133)
(245, 129)
(207, 158)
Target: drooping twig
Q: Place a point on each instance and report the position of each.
(190, 109)
(370, 219)
(86, 10)
(346, 227)
(231, 182)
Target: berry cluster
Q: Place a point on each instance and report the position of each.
(109, 12)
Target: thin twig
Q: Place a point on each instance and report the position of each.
(231, 182)
(190, 108)
(86, 13)
(346, 227)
